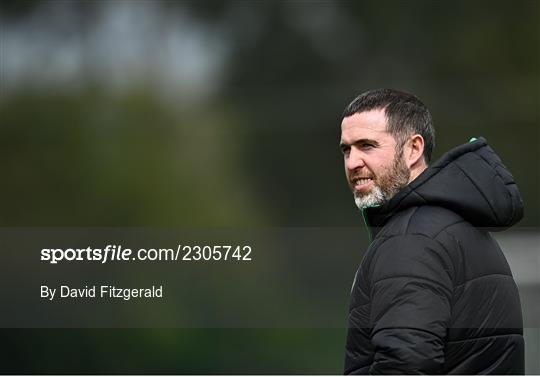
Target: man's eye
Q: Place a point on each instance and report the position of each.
(345, 150)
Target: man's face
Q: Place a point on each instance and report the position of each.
(375, 171)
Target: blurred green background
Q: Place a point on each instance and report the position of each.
(227, 113)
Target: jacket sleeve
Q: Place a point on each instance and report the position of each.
(410, 278)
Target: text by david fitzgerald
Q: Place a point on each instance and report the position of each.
(101, 292)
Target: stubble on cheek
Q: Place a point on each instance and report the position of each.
(395, 178)
(392, 179)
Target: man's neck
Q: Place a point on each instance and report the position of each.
(416, 171)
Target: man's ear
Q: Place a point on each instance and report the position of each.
(414, 151)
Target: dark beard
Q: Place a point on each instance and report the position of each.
(396, 177)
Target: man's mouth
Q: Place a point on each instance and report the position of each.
(362, 183)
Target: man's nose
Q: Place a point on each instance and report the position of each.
(354, 160)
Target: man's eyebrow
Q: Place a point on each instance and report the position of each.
(359, 141)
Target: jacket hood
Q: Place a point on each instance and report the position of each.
(469, 180)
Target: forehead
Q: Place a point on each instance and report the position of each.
(368, 124)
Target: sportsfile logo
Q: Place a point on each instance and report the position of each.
(110, 252)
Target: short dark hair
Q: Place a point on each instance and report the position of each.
(406, 115)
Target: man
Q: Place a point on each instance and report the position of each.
(433, 293)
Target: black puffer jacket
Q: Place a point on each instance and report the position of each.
(434, 293)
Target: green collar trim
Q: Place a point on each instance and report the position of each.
(368, 225)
